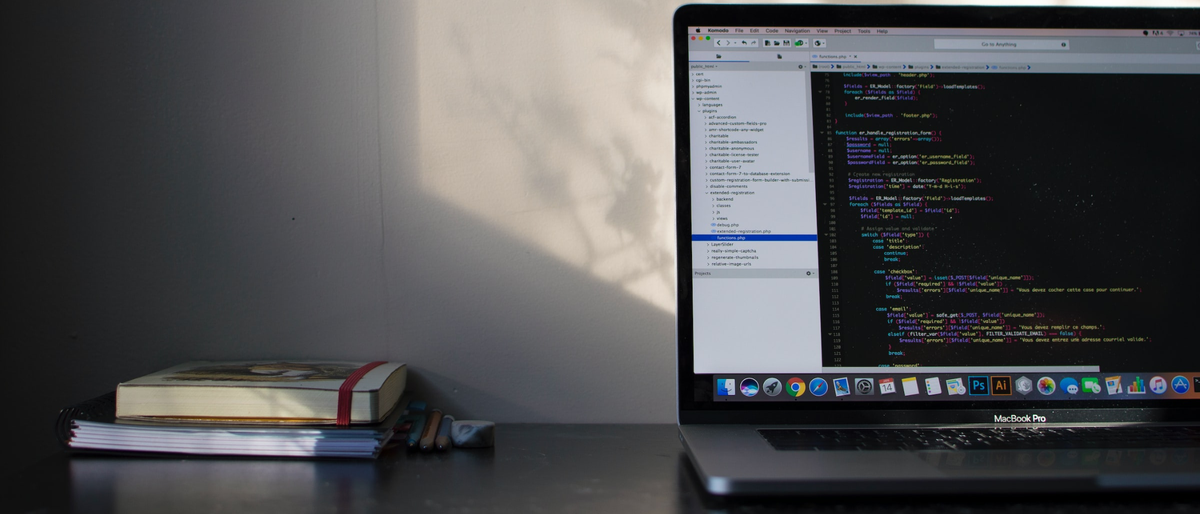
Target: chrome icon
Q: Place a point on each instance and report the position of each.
(795, 386)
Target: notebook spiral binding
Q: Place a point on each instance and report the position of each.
(100, 408)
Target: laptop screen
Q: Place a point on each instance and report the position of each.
(937, 215)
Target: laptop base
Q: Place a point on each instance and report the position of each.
(736, 460)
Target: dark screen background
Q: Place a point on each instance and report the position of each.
(1010, 183)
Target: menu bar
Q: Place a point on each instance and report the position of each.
(899, 31)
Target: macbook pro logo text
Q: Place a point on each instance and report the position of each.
(1018, 418)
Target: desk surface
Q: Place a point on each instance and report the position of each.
(534, 468)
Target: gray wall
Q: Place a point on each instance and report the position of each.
(224, 180)
(481, 189)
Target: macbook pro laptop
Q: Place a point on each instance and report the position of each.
(933, 248)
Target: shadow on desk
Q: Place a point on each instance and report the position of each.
(115, 484)
(533, 468)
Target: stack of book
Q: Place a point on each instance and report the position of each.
(253, 408)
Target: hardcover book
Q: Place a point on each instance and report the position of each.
(300, 392)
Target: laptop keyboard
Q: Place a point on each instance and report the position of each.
(981, 438)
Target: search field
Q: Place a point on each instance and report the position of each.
(1001, 44)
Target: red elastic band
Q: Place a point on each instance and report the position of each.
(346, 392)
